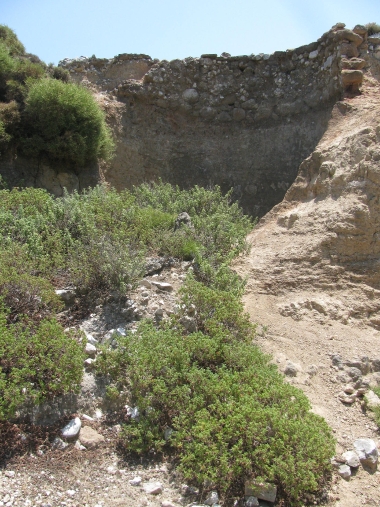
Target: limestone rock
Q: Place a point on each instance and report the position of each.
(167, 287)
(136, 481)
(212, 498)
(191, 95)
(352, 78)
(372, 400)
(152, 488)
(182, 219)
(261, 490)
(344, 471)
(252, 501)
(352, 459)
(90, 349)
(71, 430)
(367, 452)
(90, 438)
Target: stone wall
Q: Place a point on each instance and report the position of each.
(245, 122)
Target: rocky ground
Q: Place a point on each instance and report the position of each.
(313, 288)
(313, 283)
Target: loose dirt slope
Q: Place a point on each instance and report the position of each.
(313, 276)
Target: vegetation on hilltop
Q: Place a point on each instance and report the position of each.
(373, 28)
(42, 114)
(225, 410)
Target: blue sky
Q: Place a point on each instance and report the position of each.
(168, 29)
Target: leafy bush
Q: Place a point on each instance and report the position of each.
(23, 292)
(64, 122)
(373, 28)
(10, 40)
(9, 122)
(223, 410)
(36, 363)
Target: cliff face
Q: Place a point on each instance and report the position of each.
(245, 122)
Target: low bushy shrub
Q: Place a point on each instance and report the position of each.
(64, 122)
(23, 292)
(11, 41)
(373, 28)
(36, 362)
(224, 411)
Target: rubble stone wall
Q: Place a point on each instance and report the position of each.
(245, 122)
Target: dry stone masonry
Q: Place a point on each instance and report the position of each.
(245, 122)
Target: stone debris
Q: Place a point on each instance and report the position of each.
(212, 498)
(372, 400)
(152, 488)
(183, 219)
(136, 481)
(164, 286)
(344, 471)
(252, 501)
(59, 444)
(90, 349)
(261, 490)
(351, 459)
(367, 452)
(291, 369)
(71, 430)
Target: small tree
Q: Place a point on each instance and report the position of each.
(64, 122)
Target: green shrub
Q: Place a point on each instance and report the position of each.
(23, 292)
(64, 123)
(58, 73)
(10, 40)
(9, 122)
(227, 412)
(373, 28)
(36, 363)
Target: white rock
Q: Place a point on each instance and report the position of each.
(372, 400)
(59, 444)
(87, 417)
(111, 470)
(367, 452)
(70, 492)
(166, 503)
(352, 459)
(133, 412)
(167, 287)
(136, 481)
(344, 471)
(152, 488)
(313, 54)
(121, 331)
(145, 283)
(252, 501)
(190, 95)
(79, 446)
(91, 339)
(72, 429)
(90, 349)
(212, 498)
(9, 473)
